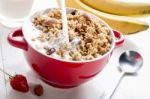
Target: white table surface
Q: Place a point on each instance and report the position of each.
(131, 87)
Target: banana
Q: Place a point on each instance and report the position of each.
(126, 25)
(120, 7)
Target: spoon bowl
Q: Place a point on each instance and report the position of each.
(130, 62)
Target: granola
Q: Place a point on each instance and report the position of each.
(89, 38)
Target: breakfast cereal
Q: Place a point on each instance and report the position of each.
(89, 38)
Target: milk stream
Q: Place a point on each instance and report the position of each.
(64, 21)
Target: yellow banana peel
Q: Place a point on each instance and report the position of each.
(126, 25)
(120, 7)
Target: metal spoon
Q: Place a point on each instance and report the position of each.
(130, 62)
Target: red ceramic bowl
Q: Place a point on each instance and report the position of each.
(58, 72)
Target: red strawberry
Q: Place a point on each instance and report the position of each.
(19, 83)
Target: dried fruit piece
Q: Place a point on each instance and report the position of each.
(50, 51)
(73, 12)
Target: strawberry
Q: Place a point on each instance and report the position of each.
(19, 83)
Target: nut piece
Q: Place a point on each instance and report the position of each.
(50, 22)
(38, 90)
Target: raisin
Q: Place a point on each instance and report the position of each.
(50, 51)
(74, 12)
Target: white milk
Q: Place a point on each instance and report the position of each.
(64, 20)
(15, 9)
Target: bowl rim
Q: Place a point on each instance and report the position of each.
(27, 24)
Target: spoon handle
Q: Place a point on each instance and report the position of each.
(114, 87)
